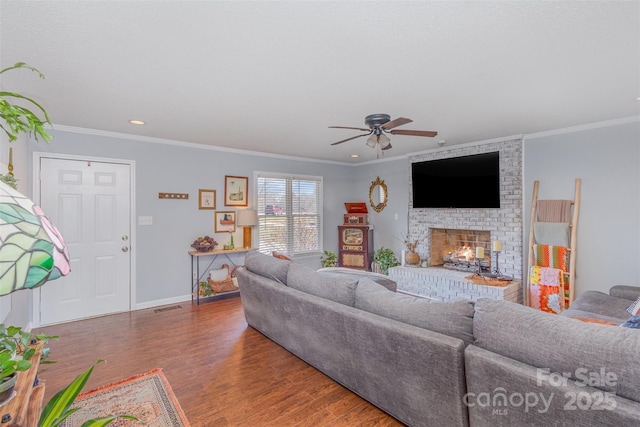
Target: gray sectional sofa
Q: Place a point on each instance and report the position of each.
(431, 363)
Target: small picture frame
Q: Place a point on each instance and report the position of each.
(225, 221)
(236, 190)
(206, 199)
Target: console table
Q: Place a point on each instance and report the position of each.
(25, 407)
(196, 276)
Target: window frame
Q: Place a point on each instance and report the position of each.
(288, 210)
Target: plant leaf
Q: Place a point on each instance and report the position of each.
(99, 422)
(57, 409)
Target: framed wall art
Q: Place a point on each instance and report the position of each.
(225, 221)
(236, 190)
(206, 199)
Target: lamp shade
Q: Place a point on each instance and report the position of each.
(32, 250)
(247, 217)
(384, 141)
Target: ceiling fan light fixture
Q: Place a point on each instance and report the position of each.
(372, 141)
(384, 141)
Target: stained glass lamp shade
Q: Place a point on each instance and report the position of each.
(32, 250)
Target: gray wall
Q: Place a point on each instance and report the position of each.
(607, 159)
(163, 265)
(395, 174)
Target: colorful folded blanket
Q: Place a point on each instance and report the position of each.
(546, 289)
(551, 256)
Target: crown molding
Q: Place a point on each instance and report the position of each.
(579, 128)
(154, 140)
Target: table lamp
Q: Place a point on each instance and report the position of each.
(247, 218)
(32, 250)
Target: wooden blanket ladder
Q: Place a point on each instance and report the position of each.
(555, 211)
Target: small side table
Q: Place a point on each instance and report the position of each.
(196, 276)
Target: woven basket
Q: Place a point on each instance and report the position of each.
(225, 285)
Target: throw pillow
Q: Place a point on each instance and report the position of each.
(599, 321)
(280, 255)
(634, 309)
(633, 323)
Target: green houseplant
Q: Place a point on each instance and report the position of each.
(329, 259)
(59, 407)
(385, 259)
(18, 119)
(17, 347)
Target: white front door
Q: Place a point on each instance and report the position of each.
(90, 203)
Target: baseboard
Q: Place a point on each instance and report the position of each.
(159, 302)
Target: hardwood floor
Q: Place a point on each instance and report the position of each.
(223, 372)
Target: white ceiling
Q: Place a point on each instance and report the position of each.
(271, 76)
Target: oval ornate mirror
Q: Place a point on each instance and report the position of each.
(378, 195)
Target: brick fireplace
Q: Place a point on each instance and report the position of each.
(478, 227)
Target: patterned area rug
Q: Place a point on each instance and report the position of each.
(148, 397)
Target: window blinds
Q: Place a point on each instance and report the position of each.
(289, 213)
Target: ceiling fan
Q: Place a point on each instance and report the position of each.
(379, 124)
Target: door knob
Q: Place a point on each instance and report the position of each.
(125, 237)
(125, 249)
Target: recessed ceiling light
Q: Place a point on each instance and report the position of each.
(355, 156)
(136, 122)
(638, 98)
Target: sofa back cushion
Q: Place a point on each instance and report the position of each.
(267, 266)
(332, 287)
(454, 319)
(603, 356)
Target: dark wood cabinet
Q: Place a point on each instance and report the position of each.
(355, 246)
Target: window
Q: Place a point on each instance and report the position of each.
(289, 213)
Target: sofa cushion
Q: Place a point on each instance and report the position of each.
(558, 344)
(599, 304)
(454, 319)
(357, 274)
(267, 266)
(625, 292)
(336, 288)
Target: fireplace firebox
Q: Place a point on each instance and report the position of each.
(456, 249)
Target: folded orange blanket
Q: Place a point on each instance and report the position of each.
(551, 256)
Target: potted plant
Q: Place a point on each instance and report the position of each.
(411, 257)
(329, 259)
(18, 119)
(385, 258)
(17, 347)
(59, 407)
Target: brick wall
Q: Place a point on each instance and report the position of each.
(505, 223)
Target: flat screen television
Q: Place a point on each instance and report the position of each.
(457, 182)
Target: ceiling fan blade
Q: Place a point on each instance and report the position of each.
(395, 123)
(349, 139)
(346, 127)
(414, 132)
